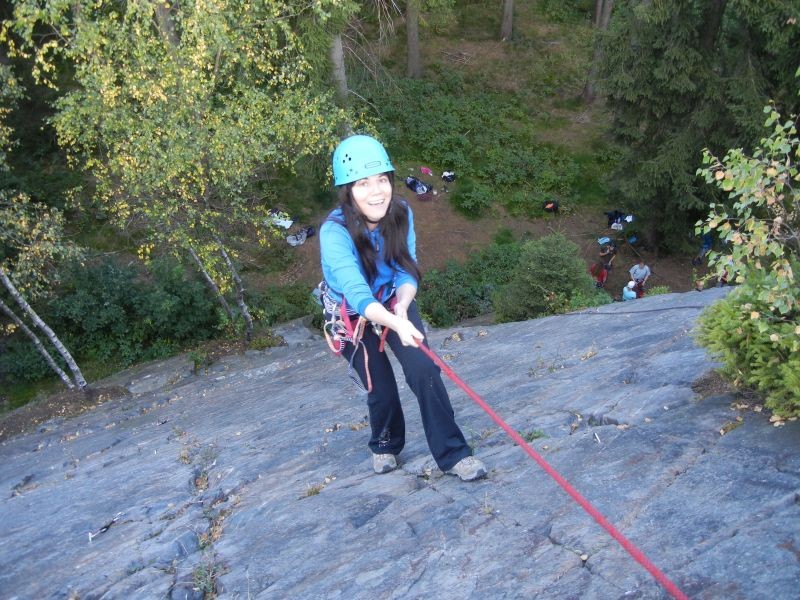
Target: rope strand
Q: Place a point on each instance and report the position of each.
(637, 554)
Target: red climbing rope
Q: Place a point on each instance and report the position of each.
(637, 554)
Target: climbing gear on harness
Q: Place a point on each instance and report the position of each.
(383, 463)
(357, 157)
(468, 468)
(637, 554)
(342, 327)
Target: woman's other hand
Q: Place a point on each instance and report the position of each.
(408, 334)
(397, 321)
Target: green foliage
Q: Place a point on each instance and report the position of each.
(674, 82)
(658, 290)
(566, 12)
(114, 313)
(33, 162)
(592, 169)
(756, 329)
(20, 361)
(31, 244)
(516, 280)
(757, 350)
(503, 236)
(278, 304)
(485, 137)
(550, 277)
(532, 435)
(760, 225)
(464, 291)
(176, 108)
(10, 94)
(472, 199)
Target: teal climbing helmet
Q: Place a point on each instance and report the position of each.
(357, 157)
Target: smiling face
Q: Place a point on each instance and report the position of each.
(371, 197)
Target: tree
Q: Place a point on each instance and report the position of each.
(178, 107)
(756, 328)
(507, 26)
(10, 94)
(550, 277)
(339, 71)
(414, 63)
(602, 16)
(31, 244)
(681, 75)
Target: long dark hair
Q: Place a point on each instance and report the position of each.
(394, 228)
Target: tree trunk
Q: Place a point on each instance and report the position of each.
(589, 92)
(211, 284)
(77, 376)
(605, 15)
(239, 291)
(339, 72)
(507, 27)
(711, 25)
(340, 80)
(598, 12)
(414, 64)
(602, 13)
(38, 344)
(166, 24)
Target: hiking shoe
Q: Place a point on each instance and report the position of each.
(468, 469)
(383, 463)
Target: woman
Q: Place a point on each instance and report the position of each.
(368, 249)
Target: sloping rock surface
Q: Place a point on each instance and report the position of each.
(253, 480)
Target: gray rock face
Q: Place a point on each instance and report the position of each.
(253, 480)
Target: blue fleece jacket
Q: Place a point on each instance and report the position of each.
(342, 268)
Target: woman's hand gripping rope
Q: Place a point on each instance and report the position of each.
(397, 321)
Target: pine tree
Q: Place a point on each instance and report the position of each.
(681, 75)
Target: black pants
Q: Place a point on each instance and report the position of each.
(445, 440)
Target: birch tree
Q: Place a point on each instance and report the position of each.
(176, 107)
(31, 245)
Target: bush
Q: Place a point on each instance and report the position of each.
(757, 349)
(114, 313)
(658, 290)
(464, 291)
(278, 304)
(117, 315)
(19, 361)
(472, 199)
(483, 136)
(550, 277)
(566, 12)
(756, 329)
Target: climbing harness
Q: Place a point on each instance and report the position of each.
(344, 327)
(637, 554)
